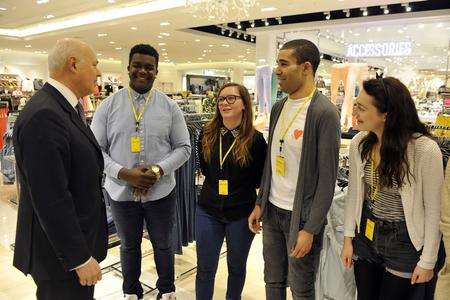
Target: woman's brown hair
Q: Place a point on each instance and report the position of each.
(211, 131)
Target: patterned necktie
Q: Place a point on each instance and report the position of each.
(81, 113)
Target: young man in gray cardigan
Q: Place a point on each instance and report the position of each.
(299, 176)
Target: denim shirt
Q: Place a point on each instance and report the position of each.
(163, 135)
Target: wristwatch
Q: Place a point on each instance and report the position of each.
(157, 170)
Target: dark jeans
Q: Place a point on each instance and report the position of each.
(209, 233)
(69, 289)
(281, 269)
(129, 219)
(390, 248)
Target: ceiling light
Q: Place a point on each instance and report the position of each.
(421, 26)
(385, 9)
(164, 23)
(252, 39)
(252, 24)
(210, 46)
(266, 22)
(327, 15)
(239, 26)
(133, 28)
(2, 8)
(161, 44)
(266, 9)
(197, 40)
(203, 55)
(222, 31)
(111, 1)
(400, 31)
(102, 34)
(160, 37)
(112, 42)
(245, 36)
(200, 58)
(49, 16)
(368, 30)
(279, 20)
(163, 49)
(379, 29)
(231, 33)
(238, 34)
(99, 54)
(27, 46)
(42, 1)
(357, 34)
(241, 56)
(118, 48)
(439, 25)
(225, 45)
(347, 12)
(407, 7)
(365, 12)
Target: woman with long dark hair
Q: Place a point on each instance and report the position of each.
(392, 210)
(232, 155)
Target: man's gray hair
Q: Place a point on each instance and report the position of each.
(62, 51)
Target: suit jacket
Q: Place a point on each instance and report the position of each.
(318, 166)
(61, 218)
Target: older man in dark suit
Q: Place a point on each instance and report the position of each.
(61, 229)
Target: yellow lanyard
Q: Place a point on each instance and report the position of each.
(300, 109)
(374, 188)
(138, 115)
(222, 160)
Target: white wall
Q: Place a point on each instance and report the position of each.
(24, 64)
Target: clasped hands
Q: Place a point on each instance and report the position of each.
(141, 179)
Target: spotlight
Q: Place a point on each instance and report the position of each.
(245, 36)
(347, 12)
(266, 22)
(327, 15)
(385, 9)
(239, 26)
(252, 24)
(407, 7)
(222, 31)
(279, 21)
(238, 34)
(231, 33)
(252, 39)
(364, 11)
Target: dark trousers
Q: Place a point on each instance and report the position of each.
(210, 232)
(69, 289)
(159, 217)
(375, 283)
(281, 270)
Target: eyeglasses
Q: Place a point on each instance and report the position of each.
(230, 99)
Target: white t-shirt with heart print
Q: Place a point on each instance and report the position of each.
(282, 189)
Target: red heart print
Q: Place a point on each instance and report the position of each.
(298, 133)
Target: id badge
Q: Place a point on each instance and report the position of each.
(223, 187)
(135, 144)
(280, 165)
(370, 228)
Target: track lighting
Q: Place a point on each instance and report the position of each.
(364, 11)
(407, 7)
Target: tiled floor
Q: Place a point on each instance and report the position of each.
(14, 285)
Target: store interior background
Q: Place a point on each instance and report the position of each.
(194, 43)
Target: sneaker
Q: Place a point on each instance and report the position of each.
(166, 296)
(130, 297)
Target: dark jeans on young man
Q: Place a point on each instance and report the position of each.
(209, 233)
(390, 248)
(159, 217)
(281, 270)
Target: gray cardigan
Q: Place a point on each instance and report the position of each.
(318, 166)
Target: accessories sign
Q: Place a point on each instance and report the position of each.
(379, 49)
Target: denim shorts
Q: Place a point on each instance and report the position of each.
(391, 245)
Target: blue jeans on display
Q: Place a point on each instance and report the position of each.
(159, 217)
(210, 232)
(281, 270)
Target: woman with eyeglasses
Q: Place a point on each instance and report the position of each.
(232, 155)
(392, 210)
